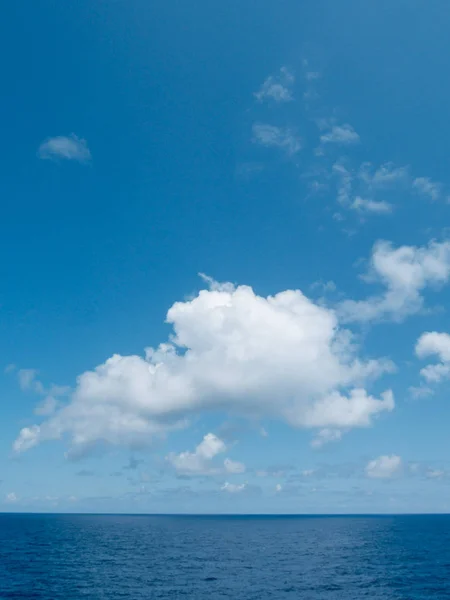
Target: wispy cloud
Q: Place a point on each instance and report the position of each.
(386, 176)
(343, 135)
(272, 136)
(384, 467)
(29, 382)
(378, 207)
(233, 488)
(277, 88)
(325, 436)
(428, 188)
(65, 148)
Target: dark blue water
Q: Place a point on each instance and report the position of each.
(135, 557)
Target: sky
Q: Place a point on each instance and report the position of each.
(225, 257)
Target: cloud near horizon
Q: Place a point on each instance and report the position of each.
(281, 356)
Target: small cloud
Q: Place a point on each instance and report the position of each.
(278, 488)
(232, 466)
(28, 381)
(28, 438)
(277, 87)
(271, 136)
(371, 206)
(10, 368)
(435, 474)
(387, 176)
(344, 183)
(233, 488)
(405, 272)
(384, 467)
(325, 436)
(434, 343)
(11, 498)
(199, 461)
(428, 188)
(324, 286)
(343, 135)
(66, 148)
(419, 392)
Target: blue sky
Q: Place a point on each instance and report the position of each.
(226, 260)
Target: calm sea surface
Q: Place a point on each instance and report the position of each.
(133, 557)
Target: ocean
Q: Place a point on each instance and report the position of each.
(70, 557)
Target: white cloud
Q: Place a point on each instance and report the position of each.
(232, 466)
(378, 207)
(199, 461)
(387, 176)
(326, 435)
(276, 137)
(435, 474)
(278, 488)
(11, 498)
(420, 392)
(233, 488)
(28, 381)
(324, 286)
(344, 185)
(343, 135)
(384, 467)
(404, 272)
(67, 148)
(358, 190)
(436, 344)
(281, 357)
(428, 188)
(277, 87)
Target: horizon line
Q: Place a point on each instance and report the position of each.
(232, 515)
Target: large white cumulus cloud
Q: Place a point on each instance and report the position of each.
(282, 357)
